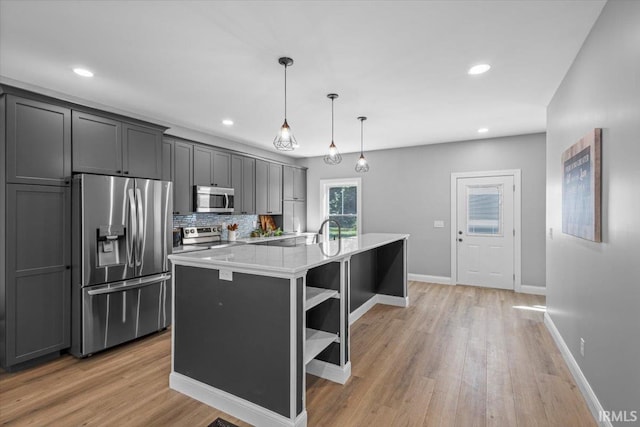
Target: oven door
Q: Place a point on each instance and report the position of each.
(119, 312)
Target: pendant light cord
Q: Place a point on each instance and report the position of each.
(361, 137)
(332, 120)
(285, 92)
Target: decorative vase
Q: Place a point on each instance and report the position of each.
(232, 235)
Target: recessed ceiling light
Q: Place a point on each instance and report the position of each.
(483, 130)
(479, 69)
(83, 72)
(227, 122)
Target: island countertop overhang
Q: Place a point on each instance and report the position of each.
(284, 260)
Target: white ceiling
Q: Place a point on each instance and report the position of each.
(401, 63)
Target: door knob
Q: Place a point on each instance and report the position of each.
(459, 232)
(459, 240)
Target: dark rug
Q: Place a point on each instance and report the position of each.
(219, 422)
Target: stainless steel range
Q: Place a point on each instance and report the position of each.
(199, 238)
(121, 288)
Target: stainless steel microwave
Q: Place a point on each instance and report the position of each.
(213, 199)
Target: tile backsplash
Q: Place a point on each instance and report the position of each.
(246, 223)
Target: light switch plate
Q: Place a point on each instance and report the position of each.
(438, 224)
(226, 275)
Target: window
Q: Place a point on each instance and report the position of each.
(484, 210)
(341, 202)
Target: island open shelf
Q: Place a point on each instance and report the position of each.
(316, 342)
(317, 296)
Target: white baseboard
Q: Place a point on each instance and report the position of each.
(441, 280)
(360, 311)
(329, 371)
(235, 406)
(392, 300)
(592, 400)
(377, 299)
(535, 290)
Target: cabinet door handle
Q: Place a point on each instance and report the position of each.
(126, 172)
(118, 171)
(68, 267)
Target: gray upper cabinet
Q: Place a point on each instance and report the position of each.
(202, 166)
(38, 142)
(182, 172)
(105, 146)
(275, 189)
(38, 282)
(299, 184)
(221, 169)
(294, 183)
(211, 167)
(262, 187)
(268, 188)
(243, 181)
(167, 159)
(97, 144)
(141, 151)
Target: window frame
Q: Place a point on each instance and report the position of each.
(326, 184)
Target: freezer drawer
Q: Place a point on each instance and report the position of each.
(115, 313)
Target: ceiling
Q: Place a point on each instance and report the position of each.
(403, 64)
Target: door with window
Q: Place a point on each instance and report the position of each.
(341, 203)
(485, 231)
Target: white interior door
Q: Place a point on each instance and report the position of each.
(485, 231)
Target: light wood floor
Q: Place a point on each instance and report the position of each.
(458, 356)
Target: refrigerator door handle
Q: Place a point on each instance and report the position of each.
(141, 230)
(128, 284)
(133, 228)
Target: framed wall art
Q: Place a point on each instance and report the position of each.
(581, 188)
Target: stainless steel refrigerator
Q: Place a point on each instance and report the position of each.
(122, 234)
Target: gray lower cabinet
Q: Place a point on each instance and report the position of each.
(243, 181)
(36, 300)
(268, 188)
(38, 142)
(107, 146)
(182, 173)
(294, 216)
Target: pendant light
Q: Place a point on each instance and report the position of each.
(285, 140)
(361, 165)
(334, 157)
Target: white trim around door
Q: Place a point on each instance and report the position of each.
(517, 224)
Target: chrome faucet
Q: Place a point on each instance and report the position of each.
(327, 221)
(317, 239)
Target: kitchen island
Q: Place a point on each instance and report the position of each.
(250, 320)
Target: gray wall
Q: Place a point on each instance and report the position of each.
(593, 289)
(408, 188)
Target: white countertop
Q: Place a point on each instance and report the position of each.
(289, 260)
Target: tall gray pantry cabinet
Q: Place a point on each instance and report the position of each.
(35, 228)
(43, 141)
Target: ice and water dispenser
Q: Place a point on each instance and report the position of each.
(111, 244)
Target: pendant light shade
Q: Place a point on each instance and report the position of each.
(285, 141)
(334, 157)
(362, 165)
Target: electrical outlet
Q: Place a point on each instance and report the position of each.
(582, 347)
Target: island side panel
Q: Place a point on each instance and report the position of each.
(363, 278)
(391, 269)
(300, 371)
(235, 335)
